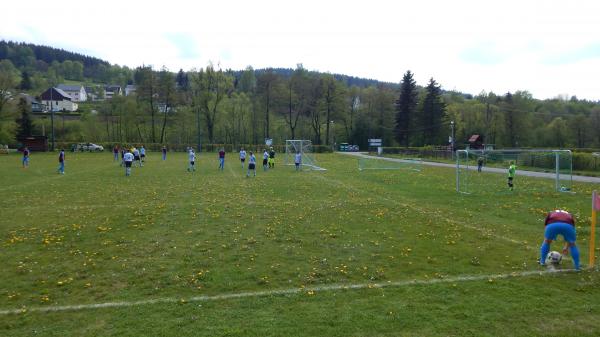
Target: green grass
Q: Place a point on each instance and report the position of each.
(473, 163)
(95, 236)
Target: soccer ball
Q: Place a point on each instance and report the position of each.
(554, 258)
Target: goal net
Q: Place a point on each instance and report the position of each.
(381, 163)
(537, 170)
(305, 148)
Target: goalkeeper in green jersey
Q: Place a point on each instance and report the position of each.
(512, 169)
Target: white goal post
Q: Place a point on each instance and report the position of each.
(555, 164)
(305, 148)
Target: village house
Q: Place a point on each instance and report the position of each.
(58, 100)
(130, 89)
(112, 90)
(77, 92)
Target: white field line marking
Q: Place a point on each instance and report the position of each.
(280, 292)
(419, 209)
(475, 228)
(230, 169)
(535, 174)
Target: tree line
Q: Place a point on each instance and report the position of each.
(212, 105)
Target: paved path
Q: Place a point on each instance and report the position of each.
(584, 179)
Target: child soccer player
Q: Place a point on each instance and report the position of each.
(265, 159)
(142, 155)
(251, 165)
(560, 222)
(61, 161)
(25, 157)
(222, 159)
(128, 160)
(116, 152)
(512, 169)
(192, 157)
(122, 156)
(136, 156)
(164, 153)
(272, 158)
(242, 156)
(298, 161)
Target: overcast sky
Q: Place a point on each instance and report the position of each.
(548, 48)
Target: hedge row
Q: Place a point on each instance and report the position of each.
(583, 159)
(280, 148)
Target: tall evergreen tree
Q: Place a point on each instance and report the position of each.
(26, 81)
(182, 80)
(432, 112)
(24, 122)
(510, 119)
(405, 108)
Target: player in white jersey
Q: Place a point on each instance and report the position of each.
(192, 158)
(265, 160)
(298, 161)
(251, 164)
(142, 155)
(128, 160)
(136, 156)
(242, 156)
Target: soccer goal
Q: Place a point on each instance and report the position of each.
(537, 170)
(380, 163)
(305, 148)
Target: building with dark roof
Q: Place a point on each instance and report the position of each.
(58, 100)
(77, 92)
(112, 90)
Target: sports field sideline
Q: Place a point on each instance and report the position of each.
(335, 252)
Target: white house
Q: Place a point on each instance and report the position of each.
(130, 89)
(77, 92)
(58, 100)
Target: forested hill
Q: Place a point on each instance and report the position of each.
(19, 54)
(218, 106)
(57, 65)
(347, 79)
(24, 55)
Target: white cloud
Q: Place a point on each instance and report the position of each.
(465, 45)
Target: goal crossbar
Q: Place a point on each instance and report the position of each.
(305, 149)
(559, 162)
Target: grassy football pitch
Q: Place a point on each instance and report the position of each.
(339, 252)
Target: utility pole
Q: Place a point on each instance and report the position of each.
(332, 142)
(52, 118)
(452, 139)
(198, 129)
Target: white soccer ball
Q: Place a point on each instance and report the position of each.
(554, 258)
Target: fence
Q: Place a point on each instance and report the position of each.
(280, 148)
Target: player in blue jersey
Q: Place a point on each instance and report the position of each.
(61, 161)
(25, 157)
(560, 222)
(222, 159)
